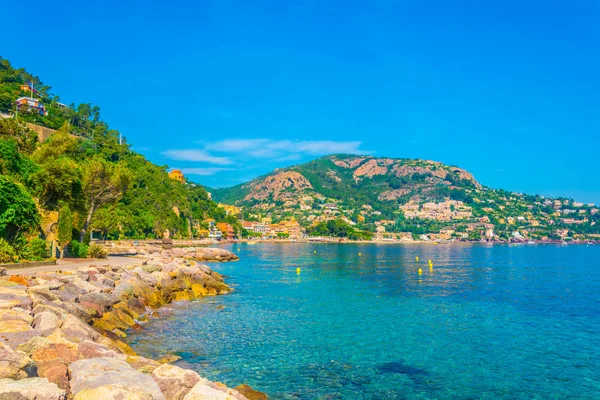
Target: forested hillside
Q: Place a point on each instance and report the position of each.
(86, 173)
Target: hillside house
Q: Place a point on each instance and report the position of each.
(62, 106)
(177, 175)
(230, 210)
(330, 206)
(562, 232)
(30, 104)
(28, 88)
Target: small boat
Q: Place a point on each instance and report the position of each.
(531, 242)
(251, 242)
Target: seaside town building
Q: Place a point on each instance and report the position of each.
(257, 227)
(213, 231)
(226, 229)
(444, 211)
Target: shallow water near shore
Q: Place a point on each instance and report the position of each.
(485, 322)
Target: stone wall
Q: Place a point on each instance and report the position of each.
(42, 132)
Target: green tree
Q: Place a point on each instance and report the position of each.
(103, 183)
(18, 213)
(59, 180)
(65, 229)
(26, 139)
(59, 144)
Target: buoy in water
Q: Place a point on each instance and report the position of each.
(298, 271)
(315, 252)
(417, 258)
(420, 271)
(359, 254)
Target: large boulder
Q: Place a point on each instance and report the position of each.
(113, 392)
(16, 314)
(52, 362)
(14, 364)
(13, 295)
(30, 389)
(175, 382)
(89, 349)
(250, 393)
(46, 321)
(94, 373)
(202, 391)
(13, 326)
(75, 328)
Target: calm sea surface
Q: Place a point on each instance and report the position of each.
(485, 322)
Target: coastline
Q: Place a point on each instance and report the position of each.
(58, 329)
(406, 242)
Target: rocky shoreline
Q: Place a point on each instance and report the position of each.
(61, 333)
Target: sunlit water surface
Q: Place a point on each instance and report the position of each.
(485, 322)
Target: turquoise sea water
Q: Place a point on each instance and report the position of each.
(486, 322)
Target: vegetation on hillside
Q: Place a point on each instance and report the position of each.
(88, 174)
(338, 228)
(393, 196)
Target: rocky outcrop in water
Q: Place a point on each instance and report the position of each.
(61, 332)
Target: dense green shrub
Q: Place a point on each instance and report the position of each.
(37, 249)
(78, 250)
(18, 213)
(7, 253)
(97, 251)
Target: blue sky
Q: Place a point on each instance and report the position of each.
(229, 90)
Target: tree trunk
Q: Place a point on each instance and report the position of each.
(87, 222)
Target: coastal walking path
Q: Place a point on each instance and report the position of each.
(71, 264)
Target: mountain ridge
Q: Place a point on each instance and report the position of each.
(365, 190)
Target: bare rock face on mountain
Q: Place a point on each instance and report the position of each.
(348, 163)
(371, 168)
(276, 185)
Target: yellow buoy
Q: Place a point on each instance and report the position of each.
(315, 252)
(417, 258)
(298, 271)
(359, 254)
(420, 271)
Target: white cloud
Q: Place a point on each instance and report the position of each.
(282, 150)
(203, 171)
(236, 145)
(197, 156)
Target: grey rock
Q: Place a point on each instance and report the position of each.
(102, 371)
(30, 389)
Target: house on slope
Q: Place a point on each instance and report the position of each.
(30, 104)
